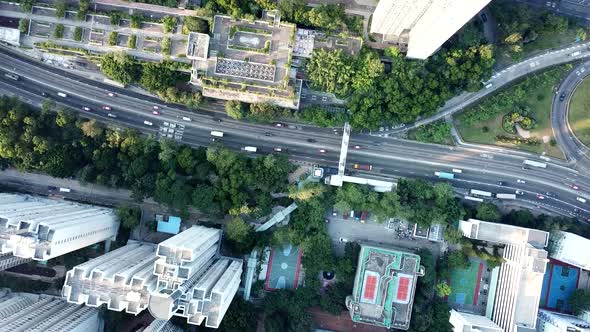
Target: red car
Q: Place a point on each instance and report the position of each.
(156, 112)
(540, 197)
(106, 108)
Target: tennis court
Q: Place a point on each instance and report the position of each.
(284, 266)
(559, 282)
(465, 284)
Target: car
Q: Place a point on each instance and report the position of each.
(279, 125)
(575, 187)
(540, 197)
(345, 216)
(311, 140)
(148, 123)
(519, 192)
(106, 108)
(87, 109)
(278, 149)
(111, 94)
(525, 167)
(267, 134)
(213, 140)
(562, 97)
(334, 212)
(322, 150)
(44, 94)
(357, 147)
(111, 115)
(343, 240)
(551, 194)
(398, 126)
(500, 183)
(576, 210)
(520, 181)
(154, 112)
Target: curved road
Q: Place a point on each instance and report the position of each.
(573, 149)
(390, 158)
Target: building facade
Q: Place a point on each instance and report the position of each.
(514, 299)
(422, 25)
(466, 322)
(8, 260)
(183, 276)
(555, 322)
(40, 229)
(44, 313)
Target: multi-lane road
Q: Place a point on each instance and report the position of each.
(482, 169)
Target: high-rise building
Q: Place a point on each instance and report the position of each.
(44, 313)
(515, 288)
(565, 247)
(422, 25)
(466, 322)
(555, 322)
(384, 287)
(41, 229)
(184, 276)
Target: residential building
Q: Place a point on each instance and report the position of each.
(384, 287)
(422, 25)
(246, 61)
(183, 276)
(44, 313)
(466, 322)
(8, 260)
(565, 247)
(41, 229)
(555, 322)
(515, 290)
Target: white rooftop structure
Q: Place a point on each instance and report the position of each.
(465, 322)
(44, 313)
(423, 24)
(184, 276)
(515, 300)
(41, 229)
(555, 322)
(10, 36)
(566, 247)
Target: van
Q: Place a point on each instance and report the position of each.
(250, 148)
(65, 190)
(217, 133)
(580, 199)
(186, 118)
(456, 170)
(61, 94)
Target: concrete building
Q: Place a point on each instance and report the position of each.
(44, 313)
(565, 247)
(422, 25)
(465, 322)
(515, 290)
(246, 61)
(183, 276)
(41, 229)
(384, 287)
(7, 261)
(555, 322)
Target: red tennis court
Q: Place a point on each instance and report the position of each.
(403, 288)
(370, 287)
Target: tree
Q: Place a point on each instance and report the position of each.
(169, 23)
(59, 31)
(159, 76)
(240, 234)
(84, 5)
(60, 9)
(234, 109)
(91, 128)
(488, 212)
(458, 259)
(293, 10)
(129, 216)
(27, 5)
(581, 34)
(113, 36)
(442, 289)
(78, 34)
(240, 317)
(579, 301)
(330, 17)
(194, 24)
(330, 71)
(23, 25)
(120, 67)
(115, 17)
(436, 132)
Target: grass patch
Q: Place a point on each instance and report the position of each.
(532, 97)
(438, 132)
(579, 113)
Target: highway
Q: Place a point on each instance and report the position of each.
(390, 157)
(572, 148)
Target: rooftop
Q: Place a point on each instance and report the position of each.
(384, 287)
(566, 247)
(502, 233)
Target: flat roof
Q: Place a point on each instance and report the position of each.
(384, 287)
(502, 233)
(172, 226)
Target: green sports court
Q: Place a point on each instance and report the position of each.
(465, 284)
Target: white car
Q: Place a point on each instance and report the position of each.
(87, 109)
(111, 94)
(520, 181)
(147, 123)
(343, 240)
(278, 149)
(111, 115)
(106, 108)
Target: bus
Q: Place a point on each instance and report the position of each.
(475, 199)
(535, 164)
(506, 196)
(250, 148)
(443, 175)
(217, 133)
(482, 193)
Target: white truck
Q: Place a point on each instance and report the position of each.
(217, 133)
(250, 148)
(506, 196)
(64, 190)
(61, 94)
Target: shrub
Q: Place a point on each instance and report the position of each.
(166, 45)
(83, 9)
(59, 31)
(169, 23)
(113, 36)
(27, 5)
(136, 21)
(132, 41)
(60, 9)
(194, 24)
(115, 17)
(23, 25)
